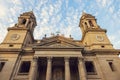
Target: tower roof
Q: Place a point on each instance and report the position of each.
(86, 15)
(30, 13)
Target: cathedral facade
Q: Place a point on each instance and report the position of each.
(58, 57)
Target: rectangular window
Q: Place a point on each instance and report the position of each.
(25, 67)
(111, 66)
(1, 65)
(90, 67)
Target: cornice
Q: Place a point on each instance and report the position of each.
(17, 28)
(11, 51)
(98, 44)
(28, 51)
(58, 48)
(102, 51)
(58, 40)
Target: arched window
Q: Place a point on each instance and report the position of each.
(86, 25)
(22, 21)
(91, 24)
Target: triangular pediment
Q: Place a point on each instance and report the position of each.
(58, 42)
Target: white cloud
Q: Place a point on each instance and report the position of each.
(111, 9)
(3, 31)
(49, 18)
(60, 15)
(3, 11)
(79, 1)
(114, 40)
(104, 3)
(16, 2)
(51, 10)
(43, 1)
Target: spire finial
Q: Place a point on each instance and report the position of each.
(45, 36)
(70, 36)
(58, 32)
(32, 9)
(52, 34)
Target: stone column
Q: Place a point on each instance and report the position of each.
(67, 69)
(49, 64)
(34, 68)
(88, 24)
(82, 70)
(27, 21)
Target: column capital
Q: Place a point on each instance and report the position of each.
(66, 58)
(80, 59)
(49, 58)
(35, 58)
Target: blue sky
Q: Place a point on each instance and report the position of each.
(62, 16)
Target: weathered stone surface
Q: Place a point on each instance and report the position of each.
(58, 57)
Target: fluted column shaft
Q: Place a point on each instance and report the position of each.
(49, 64)
(34, 68)
(67, 69)
(82, 70)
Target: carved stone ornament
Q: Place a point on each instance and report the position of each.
(99, 38)
(58, 45)
(15, 37)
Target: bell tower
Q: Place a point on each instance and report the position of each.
(93, 37)
(21, 33)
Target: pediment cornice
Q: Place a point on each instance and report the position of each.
(58, 42)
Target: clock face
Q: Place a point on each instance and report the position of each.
(99, 38)
(15, 37)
